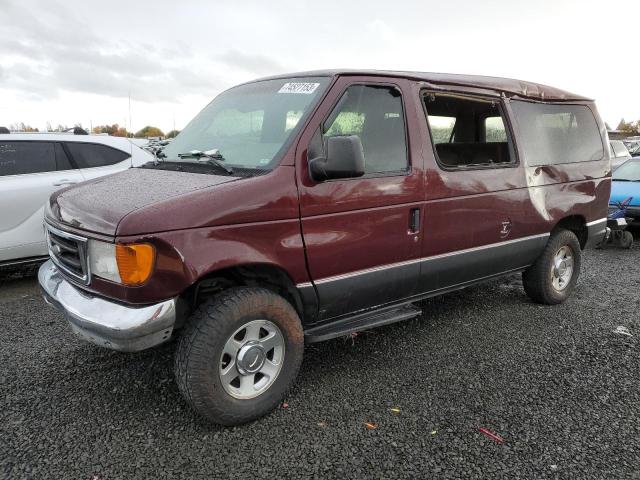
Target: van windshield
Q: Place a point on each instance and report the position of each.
(250, 125)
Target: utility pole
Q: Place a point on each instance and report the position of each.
(130, 127)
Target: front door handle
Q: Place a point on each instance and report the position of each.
(414, 221)
(62, 182)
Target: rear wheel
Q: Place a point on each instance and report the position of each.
(552, 278)
(239, 354)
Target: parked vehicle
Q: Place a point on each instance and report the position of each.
(634, 149)
(32, 167)
(619, 153)
(633, 145)
(617, 233)
(301, 208)
(626, 183)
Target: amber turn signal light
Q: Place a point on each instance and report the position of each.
(135, 262)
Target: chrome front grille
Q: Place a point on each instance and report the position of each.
(69, 253)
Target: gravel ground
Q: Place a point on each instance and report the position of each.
(556, 383)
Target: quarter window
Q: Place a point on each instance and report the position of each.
(374, 114)
(468, 132)
(555, 134)
(19, 158)
(91, 155)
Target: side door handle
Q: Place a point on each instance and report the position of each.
(63, 181)
(414, 221)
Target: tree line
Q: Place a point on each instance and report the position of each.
(630, 128)
(114, 130)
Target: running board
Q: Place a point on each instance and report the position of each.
(361, 321)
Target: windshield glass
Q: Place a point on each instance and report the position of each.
(250, 125)
(628, 171)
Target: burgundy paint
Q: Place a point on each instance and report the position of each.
(348, 225)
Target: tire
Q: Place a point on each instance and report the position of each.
(540, 280)
(202, 358)
(627, 240)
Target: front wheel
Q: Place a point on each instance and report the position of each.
(552, 278)
(239, 354)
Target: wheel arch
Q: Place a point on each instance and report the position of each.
(576, 224)
(266, 275)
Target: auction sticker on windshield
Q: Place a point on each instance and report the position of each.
(299, 87)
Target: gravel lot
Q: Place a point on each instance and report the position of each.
(556, 383)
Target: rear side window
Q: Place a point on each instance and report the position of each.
(62, 160)
(556, 134)
(375, 114)
(468, 132)
(19, 158)
(494, 130)
(91, 155)
(442, 128)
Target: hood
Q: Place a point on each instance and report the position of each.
(99, 205)
(622, 190)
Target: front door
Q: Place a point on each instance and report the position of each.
(363, 235)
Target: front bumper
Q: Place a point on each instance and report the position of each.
(105, 322)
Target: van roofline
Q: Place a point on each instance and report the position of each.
(519, 88)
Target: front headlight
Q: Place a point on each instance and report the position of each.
(130, 264)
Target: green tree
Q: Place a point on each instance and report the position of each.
(630, 128)
(114, 130)
(173, 134)
(149, 131)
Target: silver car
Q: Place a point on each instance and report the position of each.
(619, 153)
(33, 166)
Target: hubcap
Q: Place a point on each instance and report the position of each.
(252, 359)
(562, 268)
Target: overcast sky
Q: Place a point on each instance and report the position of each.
(77, 61)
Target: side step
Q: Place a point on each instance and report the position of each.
(361, 321)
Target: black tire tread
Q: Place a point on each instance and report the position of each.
(208, 322)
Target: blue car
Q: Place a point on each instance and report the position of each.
(626, 183)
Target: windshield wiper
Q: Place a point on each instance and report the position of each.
(213, 157)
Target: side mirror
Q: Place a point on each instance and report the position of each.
(344, 159)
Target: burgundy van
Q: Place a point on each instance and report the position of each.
(305, 207)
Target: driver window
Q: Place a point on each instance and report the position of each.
(375, 115)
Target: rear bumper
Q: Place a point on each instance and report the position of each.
(105, 322)
(597, 231)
